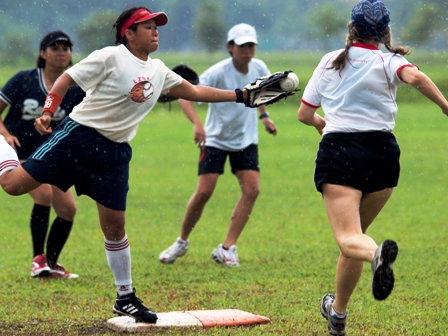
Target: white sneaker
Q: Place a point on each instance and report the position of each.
(226, 257)
(8, 157)
(178, 249)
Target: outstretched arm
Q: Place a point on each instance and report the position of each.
(189, 111)
(205, 94)
(54, 98)
(425, 85)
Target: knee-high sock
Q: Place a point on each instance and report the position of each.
(118, 254)
(40, 216)
(59, 233)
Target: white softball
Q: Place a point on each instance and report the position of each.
(290, 83)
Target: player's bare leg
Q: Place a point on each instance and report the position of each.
(350, 214)
(64, 204)
(195, 207)
(197, 202)
(42, 195)
(249, 181)
(112, 222)
(17, 182)
(118, 255)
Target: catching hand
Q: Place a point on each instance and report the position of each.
(270, 89)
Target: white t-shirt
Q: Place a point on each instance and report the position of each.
(120, 90)
(362, 97)
(231, 126)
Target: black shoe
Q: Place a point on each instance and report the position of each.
(383, 275)
(132, 306)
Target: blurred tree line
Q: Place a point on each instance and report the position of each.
(202, 25)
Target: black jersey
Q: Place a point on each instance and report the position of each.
(25, 92)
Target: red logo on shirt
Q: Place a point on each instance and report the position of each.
(141, 92)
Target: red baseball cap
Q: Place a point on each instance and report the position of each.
(143, 15)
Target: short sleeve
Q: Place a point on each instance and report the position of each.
(13, 88)
(311, 95)
(172, 79)
(90, 71)
(396, 63)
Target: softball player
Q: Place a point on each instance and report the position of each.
(90, 149)
(231, 130)
(357, 163)
(25, 94)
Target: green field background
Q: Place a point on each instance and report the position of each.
(287, 251)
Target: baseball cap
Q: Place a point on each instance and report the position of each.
(242, 33)
(141, 15)
(53, 37)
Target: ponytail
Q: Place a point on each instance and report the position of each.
(356, 34)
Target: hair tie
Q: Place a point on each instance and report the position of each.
(347, 47)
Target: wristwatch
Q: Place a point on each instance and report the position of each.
(264, 115)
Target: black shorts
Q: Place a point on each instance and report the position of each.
(80, 156)
(365, 161)
(29, 143)
(212, 160)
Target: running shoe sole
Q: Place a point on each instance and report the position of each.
(383, 279)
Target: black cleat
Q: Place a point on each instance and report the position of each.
(132, 306)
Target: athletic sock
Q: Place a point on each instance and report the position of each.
(59, 233)
(40, 216)
(118, 254)
(334, 312)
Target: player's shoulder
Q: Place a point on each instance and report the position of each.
(259, 66)
(221, 66)
(106, 53)
(157, 62)
(24, 76)
(258, 63)
(331, 55)
(218, 70)
(393, 56)
(33, 73)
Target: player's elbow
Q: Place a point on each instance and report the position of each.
(305, 118)
(301, 117)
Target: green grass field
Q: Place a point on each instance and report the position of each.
(287, 251)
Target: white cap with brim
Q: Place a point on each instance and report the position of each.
(242, 33)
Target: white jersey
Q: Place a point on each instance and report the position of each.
(120, 90)
(231, 126)
(362, 97)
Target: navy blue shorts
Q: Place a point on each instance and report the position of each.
(75, 155)
(365, 161)
(212, 160)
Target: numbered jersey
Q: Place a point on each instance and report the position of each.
(25, 93)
